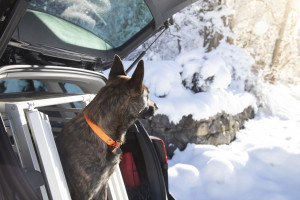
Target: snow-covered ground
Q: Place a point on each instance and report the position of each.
(262, 163)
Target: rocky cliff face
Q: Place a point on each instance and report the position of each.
(220, 129)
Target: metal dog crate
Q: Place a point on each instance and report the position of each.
(33, 133)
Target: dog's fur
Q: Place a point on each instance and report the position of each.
(87, 161)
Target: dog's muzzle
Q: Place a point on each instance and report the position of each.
(148, 111)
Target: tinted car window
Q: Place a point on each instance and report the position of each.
(114, 21)
(19, 85)
(71, 88)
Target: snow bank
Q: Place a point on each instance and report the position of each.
(222, 76)
(262, 163)
(174, 100)
(284, 101)
(227, 64)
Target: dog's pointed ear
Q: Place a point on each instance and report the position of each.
(117, 68)
(136, 81)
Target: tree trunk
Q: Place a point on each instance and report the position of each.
(275, 63)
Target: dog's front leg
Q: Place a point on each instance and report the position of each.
(102, 195)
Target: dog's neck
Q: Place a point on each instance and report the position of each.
(109, 120)
(115, 129)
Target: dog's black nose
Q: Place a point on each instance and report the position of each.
(148, 112)
(151, 110)
(155, 106)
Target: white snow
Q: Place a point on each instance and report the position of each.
(165, 85)
(228, 67)
(261, 27)
(262, 163)
(216, 68)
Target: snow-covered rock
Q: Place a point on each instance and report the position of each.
(217, 130)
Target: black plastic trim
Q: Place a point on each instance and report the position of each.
(12, 21)
(155, 175)
(160, 150)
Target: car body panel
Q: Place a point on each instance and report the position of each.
(164, 9)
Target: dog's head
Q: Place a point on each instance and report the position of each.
(137, 104)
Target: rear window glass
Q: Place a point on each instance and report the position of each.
(71, 88)
(114, 21)
(28, 85)
(19, 85)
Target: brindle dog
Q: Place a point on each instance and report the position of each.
(88, 162)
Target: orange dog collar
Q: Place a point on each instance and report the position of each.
(102, 135)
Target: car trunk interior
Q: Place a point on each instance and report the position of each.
(58, 109)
